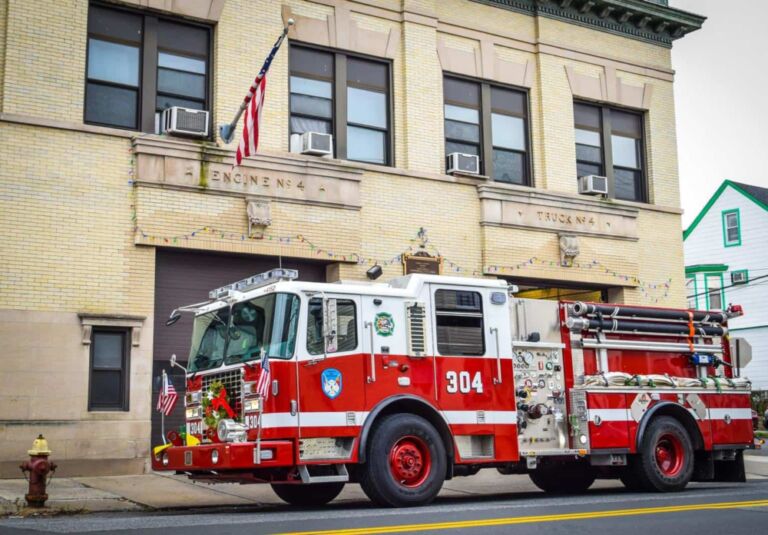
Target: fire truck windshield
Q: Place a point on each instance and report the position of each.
(239, 333)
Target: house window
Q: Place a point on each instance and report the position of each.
(609, 142)
(108, 386)
(715, 297)
(490, 122)
(346, 324)
(731, 228)
(690, 292)
(459, 321)
(140, 64)
(343, 95)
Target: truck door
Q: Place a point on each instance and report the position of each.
(475, 388)
(391, 366)
(330, 377)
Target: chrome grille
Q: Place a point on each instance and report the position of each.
(233, 383)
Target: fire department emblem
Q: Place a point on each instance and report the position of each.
(384, 324)
(331, 382)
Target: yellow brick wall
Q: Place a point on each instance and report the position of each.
(45, 58)
(3, 26)
(66, 220)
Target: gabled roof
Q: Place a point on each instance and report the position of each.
(755, 194)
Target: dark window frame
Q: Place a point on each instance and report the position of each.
(148, 66)
(459, 313)
(125, 369)
(607, 148)
(346, 301)
(339, 101)
(486, 135)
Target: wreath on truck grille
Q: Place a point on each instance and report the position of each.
(216, 405)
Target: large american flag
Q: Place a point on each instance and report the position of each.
(168, 396)
(250, 140)
(265, 377)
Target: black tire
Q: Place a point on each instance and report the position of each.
(308, 495)
(563, 478)
(407, 445)
(665, 460)
(630, 479)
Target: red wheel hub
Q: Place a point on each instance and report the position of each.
(669, 455)
(410, 461)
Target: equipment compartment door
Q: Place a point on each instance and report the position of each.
(475, 388)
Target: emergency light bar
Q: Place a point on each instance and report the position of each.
(255, 281)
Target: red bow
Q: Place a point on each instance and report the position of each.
(220, 402)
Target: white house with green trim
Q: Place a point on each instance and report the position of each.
(726, 259)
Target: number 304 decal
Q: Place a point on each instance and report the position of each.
(461, 382)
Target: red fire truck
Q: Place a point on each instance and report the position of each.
(399, 386)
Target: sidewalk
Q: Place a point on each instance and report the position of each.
(155, 491)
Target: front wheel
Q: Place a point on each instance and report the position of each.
(307, 495)
(665, 460)
(406, 462)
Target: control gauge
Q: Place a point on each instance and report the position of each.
(527, 358)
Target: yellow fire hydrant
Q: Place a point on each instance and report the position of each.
(38, 466)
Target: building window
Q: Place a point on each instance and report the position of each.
(490, 122)
(731, 228)
(140, 64)
(459, 321)
(690, 292)
(343, 95)
(108, 388)
(610, 142)
(714, 289)
(346, 326)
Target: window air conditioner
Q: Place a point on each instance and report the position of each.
(185, 122)
(463, 163)
(739, 277)
(315, 143)
(593, 185)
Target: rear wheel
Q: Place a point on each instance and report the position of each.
(563, 478)
(308, 495)
(406, 462)
(665, 460)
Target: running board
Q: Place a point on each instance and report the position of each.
(342, 476)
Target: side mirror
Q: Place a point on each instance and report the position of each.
(173, 318)
(330, 326)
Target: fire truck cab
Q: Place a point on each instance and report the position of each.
(399, 386)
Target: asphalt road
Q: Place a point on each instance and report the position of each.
(703, 508)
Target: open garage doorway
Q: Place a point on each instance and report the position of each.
(560, 291)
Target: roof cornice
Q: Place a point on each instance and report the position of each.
(638, 19)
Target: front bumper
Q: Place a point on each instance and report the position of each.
(231, 456)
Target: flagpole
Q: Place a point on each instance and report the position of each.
(227, 131)
(162, 413)
(262, 400)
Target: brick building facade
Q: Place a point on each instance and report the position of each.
(106, 223)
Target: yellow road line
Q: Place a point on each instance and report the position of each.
(540, 518)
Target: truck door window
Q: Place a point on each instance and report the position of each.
(346, 320)
(459, 320)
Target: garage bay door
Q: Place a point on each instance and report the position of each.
(183, 278)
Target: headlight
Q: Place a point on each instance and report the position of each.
(194, 413)
(248, 388)
(583, 439)
(215, 456)
(252, 405)
(231, 431)
(193, 398)
(165, 459)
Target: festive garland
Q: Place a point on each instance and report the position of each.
(216, 405)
